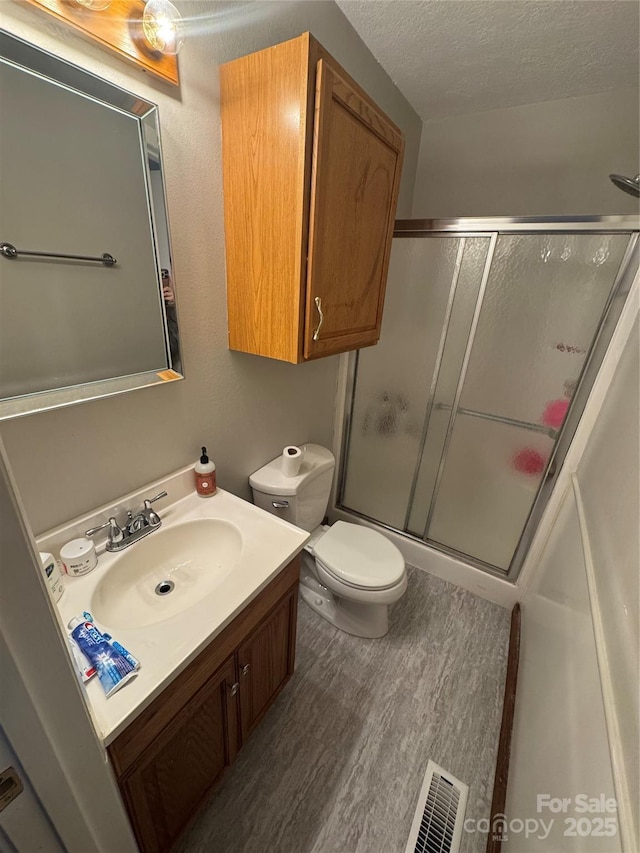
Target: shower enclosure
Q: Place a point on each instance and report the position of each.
(457, 422)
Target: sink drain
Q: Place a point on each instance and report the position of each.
(164, 587)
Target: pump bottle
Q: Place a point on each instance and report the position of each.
(205, 472)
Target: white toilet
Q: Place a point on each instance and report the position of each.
(350, 574)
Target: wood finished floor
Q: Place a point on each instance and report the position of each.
(337, 763)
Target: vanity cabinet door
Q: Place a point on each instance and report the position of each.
(166, 785)
(266, 661)
(357, 160)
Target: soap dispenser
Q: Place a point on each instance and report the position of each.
(205, 475)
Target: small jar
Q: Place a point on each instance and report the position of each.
(79, 557)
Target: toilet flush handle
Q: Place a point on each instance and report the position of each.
(279, 504)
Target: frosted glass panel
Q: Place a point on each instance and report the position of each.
(544, 299)
(542, 305)
(490, 480)
(394, 379)
(458, 459)
(457, 335)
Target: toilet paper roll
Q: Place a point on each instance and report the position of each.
(291, 461)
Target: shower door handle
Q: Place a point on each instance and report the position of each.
(318, 301)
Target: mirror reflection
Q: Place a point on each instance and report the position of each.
(87, 291)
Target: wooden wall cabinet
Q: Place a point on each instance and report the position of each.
(311, 170)
(170, 757)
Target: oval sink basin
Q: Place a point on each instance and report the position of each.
(166, 573)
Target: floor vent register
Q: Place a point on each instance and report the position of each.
(437, 824)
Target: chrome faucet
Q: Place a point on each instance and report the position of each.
(134, 522)
(139, 525)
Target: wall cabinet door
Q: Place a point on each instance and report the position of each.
(357, 157)
(266, 660)
(311, 170)
(165, 787)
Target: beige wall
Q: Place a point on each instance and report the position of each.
(547, 159)
(244, 408)
(608, 479)
(576, 723)
(42, 711)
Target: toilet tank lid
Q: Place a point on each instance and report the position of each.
(270, 479)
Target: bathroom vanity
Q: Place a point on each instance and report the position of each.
(214, 653)
(311, 169)
(170, 757)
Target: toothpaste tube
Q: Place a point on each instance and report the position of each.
(113, 669)
(135, 663)
(85, 669)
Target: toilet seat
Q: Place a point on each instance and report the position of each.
(359, 557)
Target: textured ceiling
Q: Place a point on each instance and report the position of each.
(460, 56)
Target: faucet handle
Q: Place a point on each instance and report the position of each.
(152, 515)
(116, 534)
(149, 501)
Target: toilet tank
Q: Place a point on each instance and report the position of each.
(305, 496)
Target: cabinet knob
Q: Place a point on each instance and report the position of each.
(318, 301)
(246, 668)
(234, 688)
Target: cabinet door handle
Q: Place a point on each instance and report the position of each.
(318, 302)
(246, 668)
(234, 688)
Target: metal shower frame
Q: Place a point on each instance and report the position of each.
(492, 228)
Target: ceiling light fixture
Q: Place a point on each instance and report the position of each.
(163, 26)
(117, 27)
(94, 5)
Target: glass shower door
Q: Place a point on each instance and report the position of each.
(544, 298)
(455, 415)
(431, 294)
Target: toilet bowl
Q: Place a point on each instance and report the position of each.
(350, 574)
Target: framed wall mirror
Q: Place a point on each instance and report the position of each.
(87, 293)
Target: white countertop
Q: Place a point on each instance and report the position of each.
(165, 648)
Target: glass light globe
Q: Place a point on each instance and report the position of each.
(163, 26)
(94, 5)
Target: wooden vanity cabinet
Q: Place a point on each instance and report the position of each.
(174, 753)
(178, 769)
(266, 661)
(311, 170)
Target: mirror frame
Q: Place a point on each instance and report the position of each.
(34, 60)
